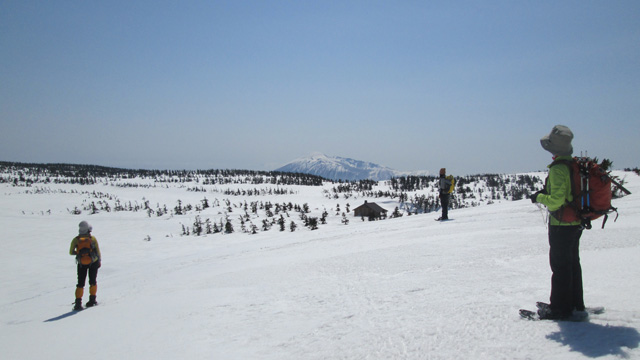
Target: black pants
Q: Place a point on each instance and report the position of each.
(92, 269)
(564, 258)
(444, 202)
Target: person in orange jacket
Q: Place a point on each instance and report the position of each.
(89, 259)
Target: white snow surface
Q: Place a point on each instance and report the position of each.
(403, 288)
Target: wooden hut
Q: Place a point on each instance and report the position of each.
(370, 210)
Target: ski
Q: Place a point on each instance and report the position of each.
(593, 310)
(577, 316)
(597, 310)
(529, 315)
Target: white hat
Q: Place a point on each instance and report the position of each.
(84, 228)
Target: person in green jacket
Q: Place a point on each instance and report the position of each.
(564, 238)
(89, 259)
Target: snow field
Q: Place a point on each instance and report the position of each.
(406, 288)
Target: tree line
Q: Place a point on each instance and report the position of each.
(26, 174)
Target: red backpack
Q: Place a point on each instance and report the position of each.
(591, 190)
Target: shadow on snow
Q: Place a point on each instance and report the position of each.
(63, 316)
(594, 340)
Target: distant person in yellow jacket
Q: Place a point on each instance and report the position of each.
(445, 187)
(87, 252)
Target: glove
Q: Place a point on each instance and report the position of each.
(534, 196)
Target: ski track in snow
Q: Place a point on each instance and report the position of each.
(407, 288)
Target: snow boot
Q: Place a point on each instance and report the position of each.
(545, 312)
(78, 305)
(93, 290)
(92, 301)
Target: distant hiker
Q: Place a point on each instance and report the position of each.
(445, 185)
(564, 237)
(87, 252)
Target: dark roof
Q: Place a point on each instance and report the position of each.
(373, 206)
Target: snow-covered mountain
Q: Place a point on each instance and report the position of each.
(339, 168)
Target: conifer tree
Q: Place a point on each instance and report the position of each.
(228, 227)
(344, 219)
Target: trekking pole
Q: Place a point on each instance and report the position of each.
(588, 197)
(584, 173)
(586, 222)
(543, 212)
(581, 189)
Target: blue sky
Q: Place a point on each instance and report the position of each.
(413, 85)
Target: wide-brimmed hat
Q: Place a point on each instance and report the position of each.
(558, 142)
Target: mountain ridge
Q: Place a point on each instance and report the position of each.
(342, 168)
